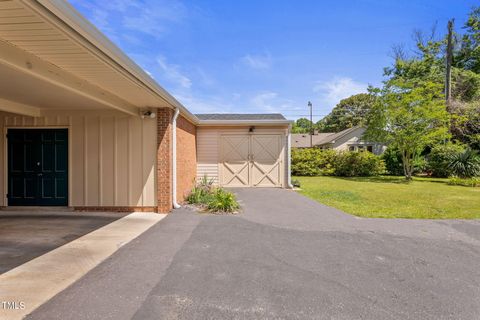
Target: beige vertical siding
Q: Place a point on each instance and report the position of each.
(208, 148)
(111, 155)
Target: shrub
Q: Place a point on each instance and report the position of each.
(312, 162)
(351, 164)
(394, 166)
(439, 159)
(201, 192)
(465, 164)
(222, 201)
(393, 162)
(296, 183)
(471, 182)
(211, 198)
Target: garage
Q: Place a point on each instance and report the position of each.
(243, 150)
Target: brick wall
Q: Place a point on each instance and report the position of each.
(186, 157)
(164, 176)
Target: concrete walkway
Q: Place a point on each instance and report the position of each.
(284, 257)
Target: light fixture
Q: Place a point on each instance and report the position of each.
(148, 114)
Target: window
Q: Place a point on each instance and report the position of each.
(351, 148)
(370, 149)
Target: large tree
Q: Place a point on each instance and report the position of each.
(302, 125)
(409, 116)
(347, 113)
(427, 64)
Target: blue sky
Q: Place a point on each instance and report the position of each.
(266, 56)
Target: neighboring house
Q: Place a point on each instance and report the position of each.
(349, 139)
(87, 128)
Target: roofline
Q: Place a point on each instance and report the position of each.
(244, 122)
(72, 18)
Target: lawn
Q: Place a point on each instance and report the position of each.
(393, 197)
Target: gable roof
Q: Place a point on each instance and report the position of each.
(302, 140)
(335, 136)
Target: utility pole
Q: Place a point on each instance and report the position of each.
(311, 124)
(448, 73)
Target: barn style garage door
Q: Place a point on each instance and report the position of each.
(251, 160)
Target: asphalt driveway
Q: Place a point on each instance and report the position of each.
(284, 257)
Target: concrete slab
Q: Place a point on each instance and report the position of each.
(28, 286)
(28, 233)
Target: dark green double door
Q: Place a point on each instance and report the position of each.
(37, 167)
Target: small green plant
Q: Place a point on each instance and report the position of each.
(470, 182)
(222, 201)
(296, 183)
(214, 199)
(465, 164)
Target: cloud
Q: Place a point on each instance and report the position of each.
(115, 17)
(172, 73)
(264, 101)
(263, 61)
(338, 88)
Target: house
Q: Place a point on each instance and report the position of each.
(85, 127)
(349, 139)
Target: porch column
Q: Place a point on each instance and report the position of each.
(164, 159)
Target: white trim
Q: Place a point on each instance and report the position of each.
(289, 158)
(203, 123)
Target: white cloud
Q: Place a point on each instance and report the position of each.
(262, 61)
(264, 101)
(208, 104)
(338, 88)
(172, 72)
(152, 17)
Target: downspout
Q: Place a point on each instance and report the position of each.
(174, 159)
(289, 157)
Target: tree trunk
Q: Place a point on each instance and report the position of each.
(407, 165)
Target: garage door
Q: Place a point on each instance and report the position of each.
(251, 160)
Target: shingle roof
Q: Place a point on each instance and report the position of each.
(240, 116)
(302, 140)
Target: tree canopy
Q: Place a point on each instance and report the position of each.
(348, 113)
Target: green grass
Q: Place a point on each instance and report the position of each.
(394, 197)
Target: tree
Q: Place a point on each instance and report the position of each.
(409, 116)
(302, 125)
(348, 113)
(468, 56)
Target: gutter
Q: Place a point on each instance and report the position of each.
(289, 157)
(174, 159)
(243, 122)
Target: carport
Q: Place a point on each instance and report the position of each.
(83, 126)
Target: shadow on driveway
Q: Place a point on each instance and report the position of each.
(26, 235)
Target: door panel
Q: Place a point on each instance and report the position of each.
(266, 160)
(38, 167)
(235, 169)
